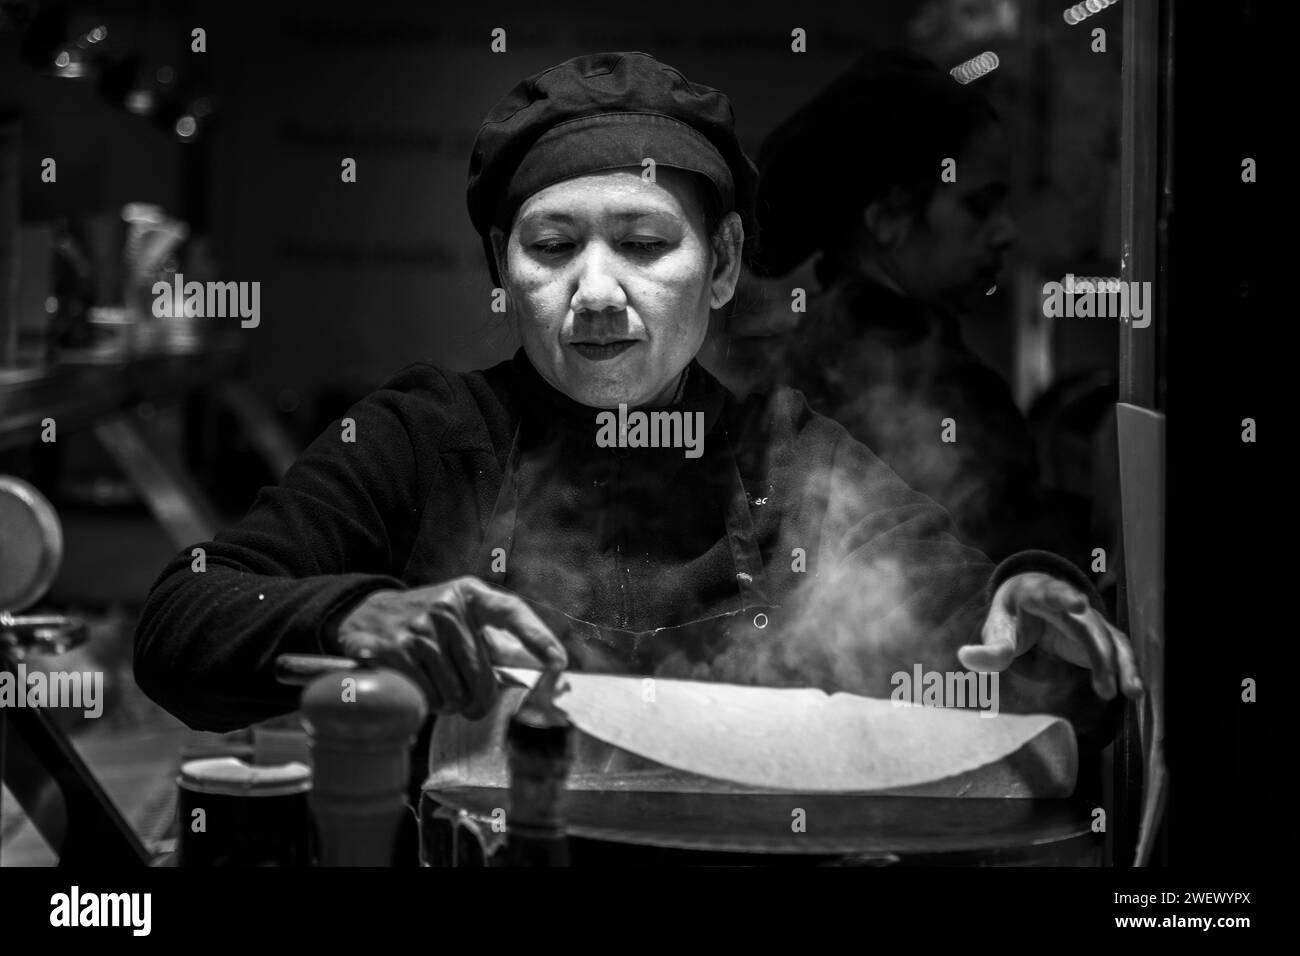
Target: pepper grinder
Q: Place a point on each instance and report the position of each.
(362, 723)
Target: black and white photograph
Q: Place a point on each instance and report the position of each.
(611, 437)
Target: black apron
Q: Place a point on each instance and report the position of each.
(469, 753)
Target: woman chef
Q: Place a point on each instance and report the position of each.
(477, 520)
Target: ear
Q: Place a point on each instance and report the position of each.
(727, 244)
(889, 218)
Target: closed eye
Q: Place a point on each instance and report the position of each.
(645, 246)
(552, 247)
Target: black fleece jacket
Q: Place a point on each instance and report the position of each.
(627, 538)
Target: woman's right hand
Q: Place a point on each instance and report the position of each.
(448, 636)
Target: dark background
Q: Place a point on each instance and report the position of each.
(358, 279)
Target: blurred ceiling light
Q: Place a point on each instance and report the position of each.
(139, 102)
(68, 64)
(1082, 11)
(975, 67)
(91, 37)
(70, 60)
(190, 119)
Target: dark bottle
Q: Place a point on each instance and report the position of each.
(539, 751)
(361, 724)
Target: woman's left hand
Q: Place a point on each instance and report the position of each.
(1034, 609)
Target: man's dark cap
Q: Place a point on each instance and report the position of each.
(597, 112)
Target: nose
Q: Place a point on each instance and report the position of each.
(599, 288)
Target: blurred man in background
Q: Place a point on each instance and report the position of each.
(883, 199)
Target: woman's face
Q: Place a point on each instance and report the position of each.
(611, 279)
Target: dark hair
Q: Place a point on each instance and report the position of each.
(711, 203)
(888, 121)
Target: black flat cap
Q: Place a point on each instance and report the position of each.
(603, 111)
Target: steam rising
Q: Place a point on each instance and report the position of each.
(889, 584)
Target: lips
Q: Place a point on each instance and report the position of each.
(602, 352)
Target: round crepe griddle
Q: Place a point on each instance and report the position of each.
(31, 544)
(646, 809)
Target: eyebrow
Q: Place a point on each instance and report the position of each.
(620, 216)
